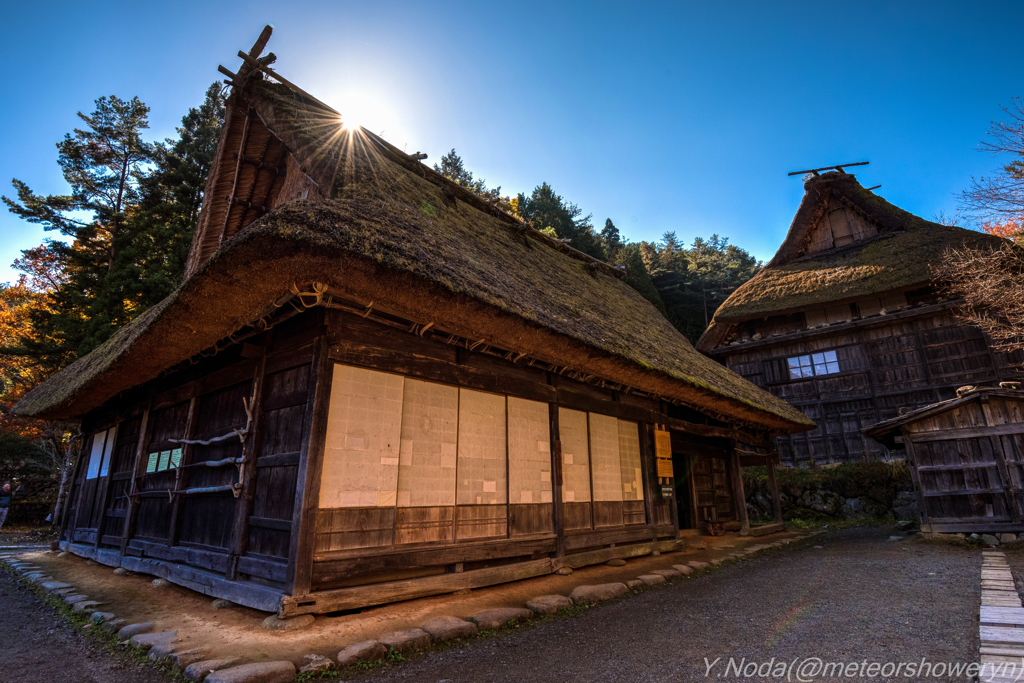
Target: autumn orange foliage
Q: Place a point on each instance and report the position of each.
(17, 373)
(1011, 228)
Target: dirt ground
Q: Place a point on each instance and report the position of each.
(38, 645)
(237, 632)
(18, 535)
(850, 597)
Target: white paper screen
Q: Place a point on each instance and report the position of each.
(604, 458)
(99, 440)
(426, 473)
(529, 452)
(482, 459)
(572, 427)
(364, 428)
(108, 451)
(629, 454)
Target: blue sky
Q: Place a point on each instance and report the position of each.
(662, 116)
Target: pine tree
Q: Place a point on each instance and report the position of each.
(546, 209)
(171, 198)
(637, 276)
(103, 164)
(140, 203)
(611, 240)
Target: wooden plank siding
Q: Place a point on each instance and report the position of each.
(967, 458)
(886, 363)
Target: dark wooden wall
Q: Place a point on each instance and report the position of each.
(245, 536)
(911, 358)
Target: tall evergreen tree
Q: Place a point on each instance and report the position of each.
(453, 168)
(547, 209)
(102, 163)
(171, 197)
(637, 276)
(130, 217)
(611, 240)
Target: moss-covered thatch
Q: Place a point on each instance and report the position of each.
(899, 257)
(392, 233)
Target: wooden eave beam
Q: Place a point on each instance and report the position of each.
(873, 321)
(756, 440)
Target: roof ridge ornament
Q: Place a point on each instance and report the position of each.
(838, 167)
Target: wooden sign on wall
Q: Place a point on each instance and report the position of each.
(663, 452)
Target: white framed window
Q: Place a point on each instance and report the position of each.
(813, 365)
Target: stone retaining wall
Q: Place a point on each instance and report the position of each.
(848, 491)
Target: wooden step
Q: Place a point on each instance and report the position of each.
(992, 635)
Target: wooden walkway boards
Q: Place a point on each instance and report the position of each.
(1001, 621)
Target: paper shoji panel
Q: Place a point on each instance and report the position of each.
(482, 458)
(99, 439)
(629, 459)
(529, 452)
(604, 458)
(430, 425)
(364, 428)
(572, 427)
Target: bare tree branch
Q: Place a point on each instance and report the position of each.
(991, 282)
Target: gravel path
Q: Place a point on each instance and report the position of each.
(38, 646)
(858, 597)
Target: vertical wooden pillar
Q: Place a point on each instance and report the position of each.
(132, 516)
(558, 512)
(912, 462)
(247, 481)
(774, 486)
(648, 470)
(181, 475)
(74, 492)
(737, 490)
(311, 461)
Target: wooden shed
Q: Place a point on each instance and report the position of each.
(967, 459)
(373, 385)
(847, 324)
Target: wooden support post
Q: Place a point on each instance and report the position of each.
(648, 470)
(558, 510)
(243, 509)
(74, 493)
(737, 488)
(145, 432)
(181, 475)
(774, 485)
(250, 451)
(912, 461)
(311, 461)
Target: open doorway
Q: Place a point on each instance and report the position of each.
(702, 479)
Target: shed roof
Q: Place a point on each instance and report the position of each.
(899, 257)
(884, 431)
(382, 227)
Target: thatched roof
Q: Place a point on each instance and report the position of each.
(379, 226)
(899, 257)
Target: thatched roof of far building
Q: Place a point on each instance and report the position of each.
(349, 210)
(899, 257)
